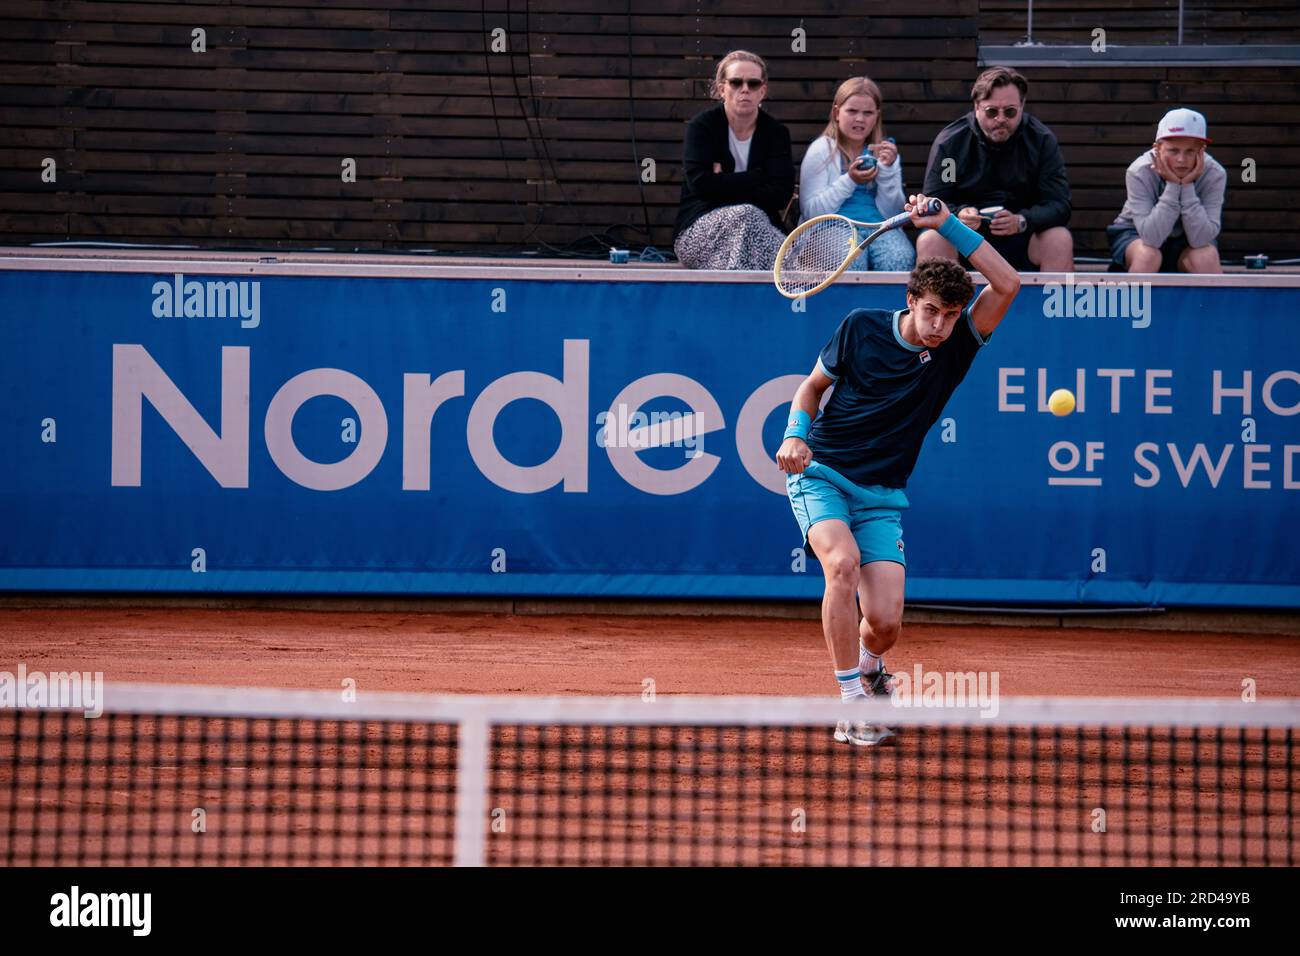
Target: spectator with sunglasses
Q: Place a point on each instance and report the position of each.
(999, 159)
(738, 174)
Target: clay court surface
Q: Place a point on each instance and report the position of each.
(464, 653)
(368, 792)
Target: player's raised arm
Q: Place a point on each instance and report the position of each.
(1004, 282)
(795, 454)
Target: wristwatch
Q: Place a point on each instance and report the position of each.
(1024, 223)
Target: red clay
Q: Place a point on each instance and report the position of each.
(534, 654)
(124, 790)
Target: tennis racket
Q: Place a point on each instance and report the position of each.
(818, 252)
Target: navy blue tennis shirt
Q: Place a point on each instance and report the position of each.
(887, 394)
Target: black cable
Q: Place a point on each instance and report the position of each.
(631, 114)
(602, 240)
(496, 120)
(538, 139)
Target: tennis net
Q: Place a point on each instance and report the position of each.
(209, 776)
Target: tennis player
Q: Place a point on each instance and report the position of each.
(893, 373)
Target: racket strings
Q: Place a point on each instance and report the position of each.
(816, 254)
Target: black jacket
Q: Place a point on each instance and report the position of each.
(768, 183)
(1025, 174)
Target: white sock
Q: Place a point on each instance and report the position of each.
(869, 663)
(850, 682)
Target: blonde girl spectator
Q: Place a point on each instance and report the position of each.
(854, 170)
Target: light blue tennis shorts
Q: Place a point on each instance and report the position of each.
(872, 512)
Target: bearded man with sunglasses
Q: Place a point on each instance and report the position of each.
(999, 159)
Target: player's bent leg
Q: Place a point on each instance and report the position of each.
(1204, 259)
(880, 595)
(1139, 257)
(836, 549)
(833, 543)
(1052, 250)
(930, 244)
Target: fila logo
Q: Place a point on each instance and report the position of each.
(1177, 129)
(925, 356)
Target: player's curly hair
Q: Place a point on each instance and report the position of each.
(943, 277)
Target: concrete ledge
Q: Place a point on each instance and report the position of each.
(1153, 619)
(417, 266)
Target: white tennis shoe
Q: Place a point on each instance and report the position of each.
(862, 734)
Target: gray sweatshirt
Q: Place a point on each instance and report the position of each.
(1158, 209)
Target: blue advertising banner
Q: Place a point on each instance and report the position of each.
(254, 433)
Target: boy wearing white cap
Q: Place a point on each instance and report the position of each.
(1171, 219)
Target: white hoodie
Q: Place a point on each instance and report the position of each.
(824, 187)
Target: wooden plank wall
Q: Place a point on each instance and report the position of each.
(459, 148)
(1142, 21)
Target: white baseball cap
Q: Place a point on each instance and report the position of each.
(1182, 122)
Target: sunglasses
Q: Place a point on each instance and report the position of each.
(736, 83)
(1010, 112)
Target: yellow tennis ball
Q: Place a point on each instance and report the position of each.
(1061, 402)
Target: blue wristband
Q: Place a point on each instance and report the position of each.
(799, 424)
(964, 239)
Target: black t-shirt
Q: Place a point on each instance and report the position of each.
(887, 394)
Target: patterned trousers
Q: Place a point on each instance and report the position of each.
(731, 237)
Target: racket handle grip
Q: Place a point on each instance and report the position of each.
(933, 207)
